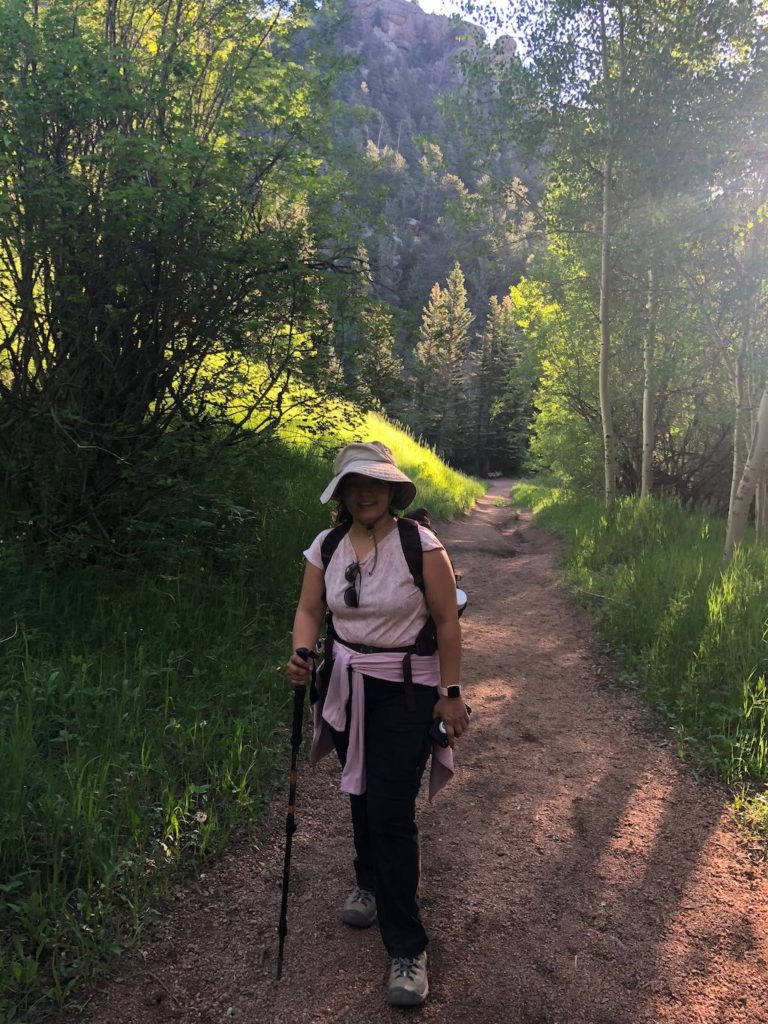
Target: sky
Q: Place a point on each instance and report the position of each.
(440, 6)
(448, 7)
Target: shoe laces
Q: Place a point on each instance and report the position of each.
(364, 896)
(405, 966)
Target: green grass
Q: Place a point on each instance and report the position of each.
(532, 493)
(142, 703)
(440, 489)
(692, 633)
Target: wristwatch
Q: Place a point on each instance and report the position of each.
(449, 691)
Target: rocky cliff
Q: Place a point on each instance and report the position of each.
(408, 60)
(403, 25)
(425, 199)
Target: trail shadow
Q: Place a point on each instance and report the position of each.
(580, 914)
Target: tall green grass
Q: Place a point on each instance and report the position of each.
(141, 702)
(692, 632)
(441, 489)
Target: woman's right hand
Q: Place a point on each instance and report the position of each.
(298, 670)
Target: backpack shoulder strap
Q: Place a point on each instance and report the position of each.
(331, 541)
(411, 544)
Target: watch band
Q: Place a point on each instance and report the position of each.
(449, 691)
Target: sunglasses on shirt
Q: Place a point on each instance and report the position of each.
(351, 574)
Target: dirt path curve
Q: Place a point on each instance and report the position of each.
(572, 873)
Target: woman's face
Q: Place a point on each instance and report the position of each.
(366, 499)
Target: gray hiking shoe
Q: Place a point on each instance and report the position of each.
(359, 908)
(408, 984)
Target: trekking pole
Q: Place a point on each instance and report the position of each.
(290, 821)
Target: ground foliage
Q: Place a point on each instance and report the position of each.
(193, 262)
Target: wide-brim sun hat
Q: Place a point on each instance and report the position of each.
(373, 459)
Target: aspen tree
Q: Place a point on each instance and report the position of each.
(649, 354)
(753, 467)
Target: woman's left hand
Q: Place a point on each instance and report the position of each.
(453, 712)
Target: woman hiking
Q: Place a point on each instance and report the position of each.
(384, 686)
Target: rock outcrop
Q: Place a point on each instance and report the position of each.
(405, 26)
(401, 110)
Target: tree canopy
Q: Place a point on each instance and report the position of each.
(157, 253)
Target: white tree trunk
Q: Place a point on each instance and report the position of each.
(649, 437)
(739, 510)
(739, 426)
(761, 504)
(606, 414)
(609, 441)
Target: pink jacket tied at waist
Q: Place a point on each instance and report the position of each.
(348, 670)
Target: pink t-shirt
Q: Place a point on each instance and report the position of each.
(391, 608)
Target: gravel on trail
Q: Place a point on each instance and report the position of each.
(573, 873)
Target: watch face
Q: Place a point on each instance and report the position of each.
(454, 691)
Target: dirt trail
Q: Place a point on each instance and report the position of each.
(572, 873)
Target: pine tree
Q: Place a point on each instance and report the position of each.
(441, 354)
(495, 410)
(378, 368)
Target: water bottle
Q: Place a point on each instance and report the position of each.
(437, 730)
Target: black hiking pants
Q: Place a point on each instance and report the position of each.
(387, 862)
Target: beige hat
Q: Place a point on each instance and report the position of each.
(373, 459)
